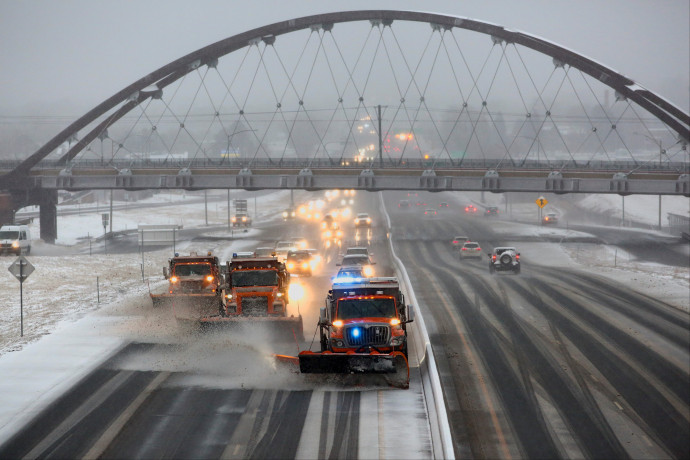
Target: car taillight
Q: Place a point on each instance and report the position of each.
(517, 257)
(479, 249)
(493, 257)
(455, 241)
(464, 249)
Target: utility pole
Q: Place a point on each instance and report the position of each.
(380, 138)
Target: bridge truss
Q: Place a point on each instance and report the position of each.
(372, 100)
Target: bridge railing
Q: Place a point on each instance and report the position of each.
(393, 164)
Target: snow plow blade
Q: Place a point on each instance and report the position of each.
(357, 363)
(288, 328)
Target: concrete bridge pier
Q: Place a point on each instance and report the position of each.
(47, 202)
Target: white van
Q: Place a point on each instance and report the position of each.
(15, 239)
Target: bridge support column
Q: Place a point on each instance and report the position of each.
(48, 215)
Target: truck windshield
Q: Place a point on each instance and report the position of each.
(192, 269)
(254, 278)
(366, 308)
(9, 235)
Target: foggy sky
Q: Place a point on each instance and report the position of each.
(64, 57)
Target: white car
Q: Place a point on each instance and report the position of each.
(458, 241)
(283, 247)
(362, 260)
(471, 250)
(362, 220)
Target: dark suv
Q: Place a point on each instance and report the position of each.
(504, 259)
(491, 211)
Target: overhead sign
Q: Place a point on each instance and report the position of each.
(541, 201)
(21, 268)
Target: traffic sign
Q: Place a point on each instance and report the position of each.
(541, 201)
(21, 268)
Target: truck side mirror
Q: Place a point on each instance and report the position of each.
(165, 273)
(410, 314)
(322, 315)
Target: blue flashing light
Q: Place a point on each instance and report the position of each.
(356, 332)
(346, 280)
(234, 255)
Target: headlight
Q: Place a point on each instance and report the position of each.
(368, 271)
(244, 219)
(337, 323)
(397, 341)
(338, 343)
(291, 266)
(233, 219)
(15, 244)
(228, 296)
(285, 214)
(368, 220)
(209, 278)
(173, 279)
(305, 265)
(395, 322)
(280, 294)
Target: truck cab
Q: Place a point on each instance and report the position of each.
(15, 239)
(193, 274)
(241, 217)
(365, 315)
(256, 286)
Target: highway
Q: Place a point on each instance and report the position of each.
(220, 394)
(551, 363)
(556, 362)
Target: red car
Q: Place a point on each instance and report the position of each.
(471, 209)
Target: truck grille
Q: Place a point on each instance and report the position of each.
(365, 334)
(255, 305)
(191, 286)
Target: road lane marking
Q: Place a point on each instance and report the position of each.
(458, 326)
(116, 427)
(382, 437)
(94, 401)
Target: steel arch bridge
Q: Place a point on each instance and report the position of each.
(370, 100)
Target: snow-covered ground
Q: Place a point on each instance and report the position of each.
(71, 296)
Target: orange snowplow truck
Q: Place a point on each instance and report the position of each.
(194, 286)
(257, 291)
(363, 329)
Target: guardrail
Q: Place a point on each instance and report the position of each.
(431, 381)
